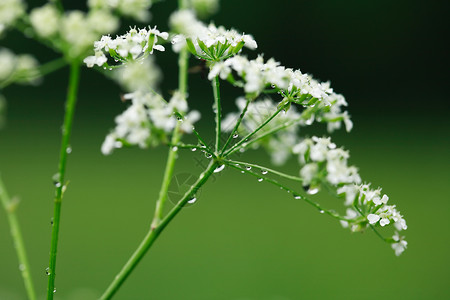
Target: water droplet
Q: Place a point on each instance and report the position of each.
(260, 179)
(175, 149)
(51, 221)
(273, 86)
(194, 149)
(58, 184)
(47, 271)
(54, 290)
(237, 165)
(208, 155)
(242, 150)
(235, 136)
(191, 201)
(242, 172)
(69, 150)
(313, 190)
(219, 168)
(321, 211)
(110, 69)
(309, 121)
(104, 68)
(56, 178)
(297, 197)
(264, 172)
(248, 168)
(22, 267)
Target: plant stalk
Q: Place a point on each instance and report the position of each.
(218, 110)
(19, 245)
(154, 232)
(59, 183)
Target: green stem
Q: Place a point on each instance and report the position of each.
(236, 147)
(241, 116)
(19, 245)
(168, 173)
(154, 232)
(262, 168)
(67, 129)
(218, 110)
(291, 191)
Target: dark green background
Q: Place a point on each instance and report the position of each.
(244, 239)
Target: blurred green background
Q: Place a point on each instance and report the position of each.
(243, 239)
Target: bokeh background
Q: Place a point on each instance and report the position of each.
(243, 239)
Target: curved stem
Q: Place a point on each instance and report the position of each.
(66, 132)
(218, 110)
(236, 147)
(262, 168)
(289, 190)
(19, 245)
(154, 232)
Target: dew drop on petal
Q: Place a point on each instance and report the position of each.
(219, 168)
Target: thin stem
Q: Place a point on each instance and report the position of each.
(154, 232)
(218, 110)
(19, 245)
(67, 129)
(289, 190)
(241, 116)
(236, 147)
(262, 168)
(168, 173)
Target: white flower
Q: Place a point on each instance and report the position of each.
(373, 218)
(7, 62)
(10, 11)
(45, 20)
(308, 172)
(102, 21)
(184, 22)
(400, 244)
(98, 59)
(350, 191)
(350, 215)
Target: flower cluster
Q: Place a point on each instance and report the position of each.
(210, 42)
(137, 9)
(17, 68)
(257, 76)
(73, 32)
(148, 120)
(10, 11)
(323, 164)
(130, 46)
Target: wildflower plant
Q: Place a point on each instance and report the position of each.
(275, 103)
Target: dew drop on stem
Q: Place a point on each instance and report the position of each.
(208, 155)
(260, 179)
(248, 168)
(69, 150)
(192, 200)
(219, 168)
(264, 172)
(194, 149)
(312, 190)
(235, 136)
(47, 271)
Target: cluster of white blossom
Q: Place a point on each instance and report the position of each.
(130, 46)
(72, 32)
(148, 120)
(137, 9)
(295, 86)
(279, 145)
(210, 42)
(138, 75)
(10, 11)
(325, 164)
(21, 68)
